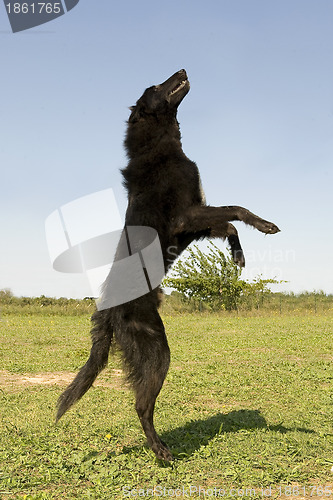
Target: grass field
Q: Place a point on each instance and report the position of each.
(247, 404)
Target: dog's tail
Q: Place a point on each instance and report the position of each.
(101, 334)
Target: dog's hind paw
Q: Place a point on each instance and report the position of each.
(165, 455)
(162, 452)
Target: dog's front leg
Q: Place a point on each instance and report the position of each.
(223, 230)
(213, 222)
(199, 218)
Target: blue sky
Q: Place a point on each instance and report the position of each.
(258, 121)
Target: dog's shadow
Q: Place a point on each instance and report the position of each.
(184, 441)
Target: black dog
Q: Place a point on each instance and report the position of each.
(164, 193)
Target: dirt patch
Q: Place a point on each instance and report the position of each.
(16, 381)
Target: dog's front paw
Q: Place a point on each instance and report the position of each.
(268, 227)
(236, 250)
(238, 257)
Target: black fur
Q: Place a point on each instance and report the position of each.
(164, 193)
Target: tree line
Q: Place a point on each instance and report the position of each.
(204, 281)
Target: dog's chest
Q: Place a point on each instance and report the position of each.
(202, 192)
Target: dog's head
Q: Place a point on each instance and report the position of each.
(162, 99)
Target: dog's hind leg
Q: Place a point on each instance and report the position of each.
(147, 356)
(146, 393)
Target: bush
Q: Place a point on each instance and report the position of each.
(214, 279)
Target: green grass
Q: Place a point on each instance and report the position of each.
(247, 403)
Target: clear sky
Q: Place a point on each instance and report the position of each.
(258, 121)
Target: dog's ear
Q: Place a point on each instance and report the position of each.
(135, 114)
